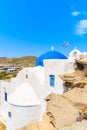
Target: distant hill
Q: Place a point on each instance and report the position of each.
(27, 61)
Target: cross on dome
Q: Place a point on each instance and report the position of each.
(75, 47)
(52, 48)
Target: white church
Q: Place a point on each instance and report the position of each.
(22, 99)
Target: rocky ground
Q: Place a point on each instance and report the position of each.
(67, 109)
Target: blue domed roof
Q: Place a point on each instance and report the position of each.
(49, 55)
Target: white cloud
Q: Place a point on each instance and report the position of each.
(75, 13)
(81, 27)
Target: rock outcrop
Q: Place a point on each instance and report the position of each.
(61, 111)
(76, 79)
(2, 126)
(77, 126)
(67, 109)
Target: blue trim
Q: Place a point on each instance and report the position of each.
(22, 106)
(9, 114)
(52, 80)
(6, 96)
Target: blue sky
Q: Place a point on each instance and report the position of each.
(31, 27)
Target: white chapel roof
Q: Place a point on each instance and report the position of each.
(74, 52)
(25, 95)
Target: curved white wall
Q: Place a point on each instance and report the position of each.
(4, 105)
(20, 116)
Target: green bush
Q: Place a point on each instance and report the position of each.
(14, 75)
(2, 75)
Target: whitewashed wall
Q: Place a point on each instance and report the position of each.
(20, 116)
(57, 67)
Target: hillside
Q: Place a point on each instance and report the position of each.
(18, 63)
(28, 61)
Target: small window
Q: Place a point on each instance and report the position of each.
(52, 80)
(75, 53)
(9, 114)
(6, 96)
(26, 76)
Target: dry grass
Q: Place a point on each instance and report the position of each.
(27, 60)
